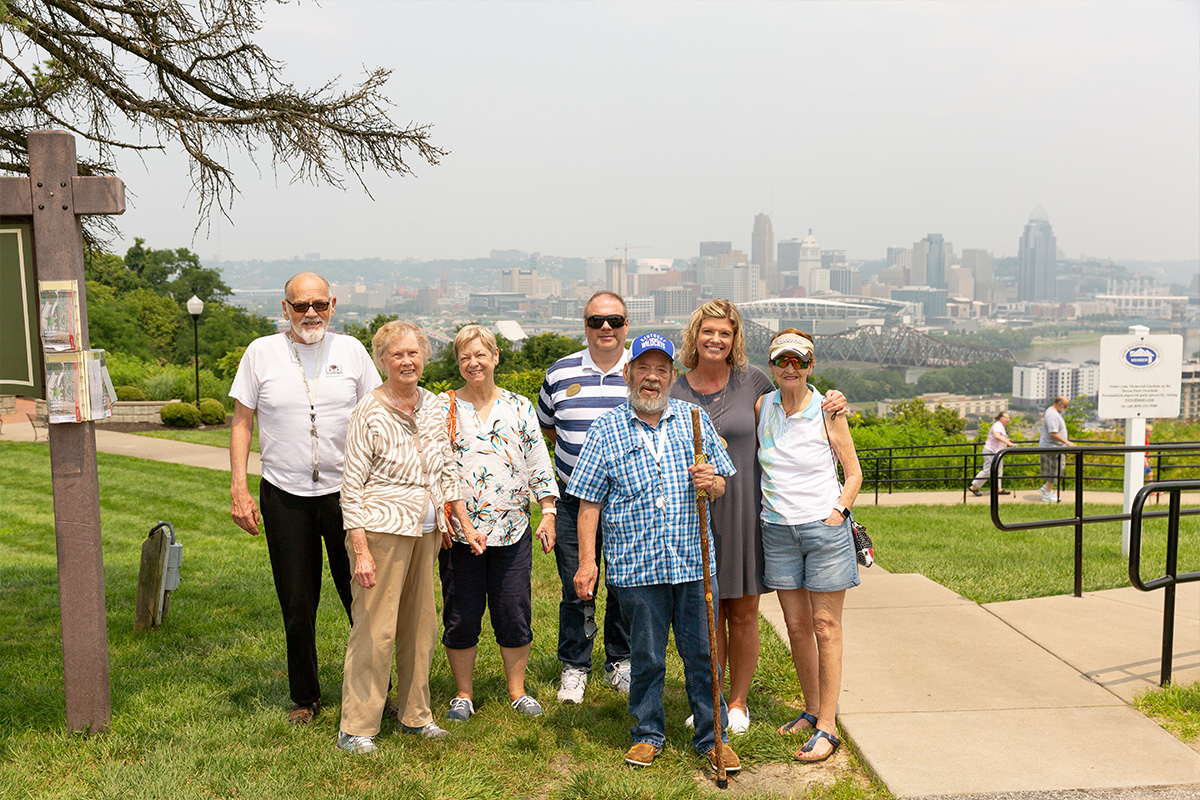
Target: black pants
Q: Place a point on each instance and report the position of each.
(296, 527)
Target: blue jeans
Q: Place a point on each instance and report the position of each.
(574, 648)
(650, 612)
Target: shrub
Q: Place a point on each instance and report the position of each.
(212, 411)
(130, 393)
(180, 415)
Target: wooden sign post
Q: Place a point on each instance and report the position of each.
(54, 196)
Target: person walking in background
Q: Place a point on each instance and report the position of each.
(400, 473)
(578, 389)
(502, 461)
(997, 440)
(635, 478)
(1054, 434)
(1147, 470)
(807, 541)
(302, 386)
(722, 381)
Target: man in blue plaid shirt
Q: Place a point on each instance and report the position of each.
(637, 464)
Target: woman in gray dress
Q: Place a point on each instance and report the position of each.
(722, 381)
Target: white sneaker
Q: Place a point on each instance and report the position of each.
(574, 681)
(739, 721)
(1049, 497)
(363, 745)
(618, 675)
(690, 721)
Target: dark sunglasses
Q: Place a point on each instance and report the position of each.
(589, 620)
(791, 361)
(302, 308)
(615, 321)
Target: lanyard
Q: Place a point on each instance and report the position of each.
(311, 393)
(656, 452)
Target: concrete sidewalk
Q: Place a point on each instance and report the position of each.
(942, 696)
(17, 428)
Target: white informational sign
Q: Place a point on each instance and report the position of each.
(1140, 376)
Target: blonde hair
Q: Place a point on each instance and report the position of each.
(714, 309)
(390, 332)
(472, 333)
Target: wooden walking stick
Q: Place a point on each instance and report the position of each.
(702, 510)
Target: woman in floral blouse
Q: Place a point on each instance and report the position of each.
(502, 462)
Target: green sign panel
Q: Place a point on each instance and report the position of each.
(20, 348)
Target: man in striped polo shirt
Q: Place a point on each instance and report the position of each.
(578, 389)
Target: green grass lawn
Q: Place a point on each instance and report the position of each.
(216, 437)
(199, 705)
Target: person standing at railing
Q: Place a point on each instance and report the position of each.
(1054, 434)
(997, 440)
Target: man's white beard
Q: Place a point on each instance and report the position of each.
(655, 406)
(308, 334)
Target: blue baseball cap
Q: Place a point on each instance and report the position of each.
(651, 341)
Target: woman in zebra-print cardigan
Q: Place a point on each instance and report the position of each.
(398, 474)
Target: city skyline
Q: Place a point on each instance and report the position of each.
(575, 129)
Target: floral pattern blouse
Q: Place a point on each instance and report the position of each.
(502, 463)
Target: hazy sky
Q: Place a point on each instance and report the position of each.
(577, 127)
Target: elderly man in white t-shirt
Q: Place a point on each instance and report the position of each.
(301, 385)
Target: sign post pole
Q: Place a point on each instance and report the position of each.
(53, 197)
(1135, 434)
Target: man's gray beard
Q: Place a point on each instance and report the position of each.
(648, 406)
(308, 335)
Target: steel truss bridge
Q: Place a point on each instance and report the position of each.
(886, 345)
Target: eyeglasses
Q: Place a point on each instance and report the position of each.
(302, 308)
(615, 321)
(589, 620)
(791, 361)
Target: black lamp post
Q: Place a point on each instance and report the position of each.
(195, 307)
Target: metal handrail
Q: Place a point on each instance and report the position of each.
(1170, 579)
(1076, 454)
(884, 468)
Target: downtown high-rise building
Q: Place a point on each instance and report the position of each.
(1037, 260)
(762, 251)
(935, 261)
(714, 249)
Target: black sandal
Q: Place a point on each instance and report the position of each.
(790, 729)
(808, 747)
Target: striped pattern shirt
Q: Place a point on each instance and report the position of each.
(645, 543)
(396, 465)
(574, 395)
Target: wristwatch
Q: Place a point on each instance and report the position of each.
(841, 509)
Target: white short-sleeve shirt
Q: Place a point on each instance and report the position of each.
(268, 381)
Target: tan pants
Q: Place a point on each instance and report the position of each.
(396, 614)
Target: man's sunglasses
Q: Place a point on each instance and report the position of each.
(615, 321)
(791, 361)
(302, 308)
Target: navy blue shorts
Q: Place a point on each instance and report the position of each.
(500, 580)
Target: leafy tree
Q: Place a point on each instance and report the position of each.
(109, 269)
(222, 329)
(188, 73)
(177, 272)
(539, 352)
(364, 333)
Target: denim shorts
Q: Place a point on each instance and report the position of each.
(812, 556)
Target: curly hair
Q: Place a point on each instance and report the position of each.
(391, 331)
(714, 309)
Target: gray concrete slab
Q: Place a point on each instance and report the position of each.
(952, 658)
(1112, 638)
(1187, 598)
(962, 752)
